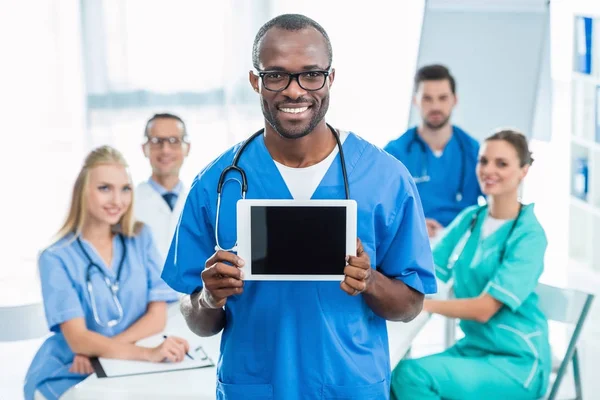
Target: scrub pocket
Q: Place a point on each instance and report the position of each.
(233, 391)
(375, 391)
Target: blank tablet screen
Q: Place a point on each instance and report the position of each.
(298, 240)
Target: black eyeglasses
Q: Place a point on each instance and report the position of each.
(157, 142)
(278, 81)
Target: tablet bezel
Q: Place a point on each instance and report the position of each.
(244, 235)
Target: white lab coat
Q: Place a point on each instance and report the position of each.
(153, 210)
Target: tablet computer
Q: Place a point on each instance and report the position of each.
(285, 240)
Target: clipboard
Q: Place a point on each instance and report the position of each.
(112, 368)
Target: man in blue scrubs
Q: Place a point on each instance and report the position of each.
(440, 156)
(302, 339)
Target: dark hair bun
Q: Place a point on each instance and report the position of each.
(518, 141)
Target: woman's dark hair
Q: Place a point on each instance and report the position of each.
(518, 141)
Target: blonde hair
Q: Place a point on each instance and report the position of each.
(76, 217)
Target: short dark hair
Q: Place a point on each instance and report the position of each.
(434, 72)
(164, 116)
(289, 22)
(518, 141)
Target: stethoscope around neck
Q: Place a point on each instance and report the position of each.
(512, 227)
(425, 177)
(244, 181)
(460, 247)
(112, 286)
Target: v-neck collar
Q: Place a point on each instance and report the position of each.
(98, 260)
(446, 151)
(332, 184)
(265, 173)
(492, 239)
(274, 185)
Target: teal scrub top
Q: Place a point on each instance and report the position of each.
(518, 332)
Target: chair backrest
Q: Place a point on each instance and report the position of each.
(571, 307)
(563, 305)
(23, 322)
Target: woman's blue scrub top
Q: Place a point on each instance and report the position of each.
(306, 340)
(439, 193)
(63, 269)
(518, 333)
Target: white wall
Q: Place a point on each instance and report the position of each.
(374, 54)
(495, 56)
(541, 128)
(43, 125)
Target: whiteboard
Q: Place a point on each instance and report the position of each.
(497, 57)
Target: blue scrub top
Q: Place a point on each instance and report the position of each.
(439, 194)
(306, 340)
(64, 290)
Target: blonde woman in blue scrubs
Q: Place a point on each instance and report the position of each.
(495, 255)
(100, 247)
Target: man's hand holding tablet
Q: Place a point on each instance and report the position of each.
(357, 273)
(222, 277)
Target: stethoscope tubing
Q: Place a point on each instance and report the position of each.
(424, 177)
(113, 286)
(244, 181)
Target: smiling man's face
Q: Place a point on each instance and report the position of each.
(293, 112)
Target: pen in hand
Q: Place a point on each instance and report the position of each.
(187, 354)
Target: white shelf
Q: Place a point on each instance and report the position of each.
(584, 215)
(585, 143)
(581, 276)
(585, 206)
(581, 77)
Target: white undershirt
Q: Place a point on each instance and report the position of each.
(491, 225)
(438, 153)
(302, 182)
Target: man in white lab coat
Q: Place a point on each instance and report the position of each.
(159, 200)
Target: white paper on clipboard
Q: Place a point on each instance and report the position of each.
(110, 368)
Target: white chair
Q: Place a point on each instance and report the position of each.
(22, 322)
(570, 307)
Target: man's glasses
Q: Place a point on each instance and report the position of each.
(278, 81)
(157, 142)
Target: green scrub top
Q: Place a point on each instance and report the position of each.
(518, 332)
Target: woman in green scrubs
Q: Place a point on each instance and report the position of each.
(495, 255)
